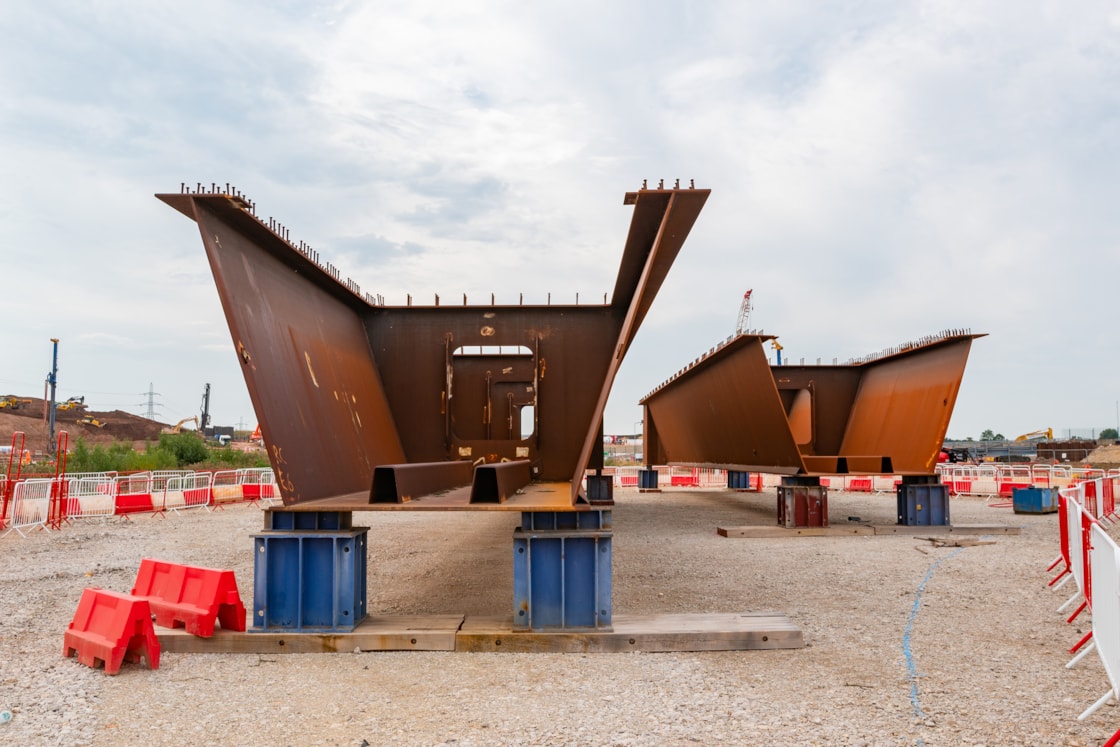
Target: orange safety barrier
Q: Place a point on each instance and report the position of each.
(109, 628)
(191, 597)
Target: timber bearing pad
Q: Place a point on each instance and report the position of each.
(646, 633)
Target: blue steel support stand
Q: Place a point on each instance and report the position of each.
(647, 481)
(738, 480)
(922, 501)
(562, 571)
(309, 572)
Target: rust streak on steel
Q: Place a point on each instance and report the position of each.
(343, 383)
(884, 414)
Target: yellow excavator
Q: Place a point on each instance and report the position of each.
(74, 403)
(9, 402)
(90, 420)
(1046, 433)
(178, 427)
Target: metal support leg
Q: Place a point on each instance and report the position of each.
(740, 480)
(600, 488)
(647, 481)
(802, 502)
(922, 501)
(309, 572)
(562, 571)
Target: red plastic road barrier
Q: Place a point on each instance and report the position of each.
(859, 484)
(109, 628)
(134, 503)
(1007, 489)
(191, 597)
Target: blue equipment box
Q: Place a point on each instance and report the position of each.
(1035, 500)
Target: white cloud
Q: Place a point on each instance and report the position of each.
(879, 172)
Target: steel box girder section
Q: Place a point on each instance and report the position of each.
(731, 409)
(723, 412)
(342, 387)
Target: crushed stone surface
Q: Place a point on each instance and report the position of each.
(906, 643)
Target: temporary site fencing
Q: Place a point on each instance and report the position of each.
(1091, 558)
(995, 482)
(48, 502)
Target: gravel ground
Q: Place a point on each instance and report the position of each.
(906, 644)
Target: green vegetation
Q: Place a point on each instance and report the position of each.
(1109, 433)
(172, 451)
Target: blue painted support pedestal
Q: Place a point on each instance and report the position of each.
(922, 501)
(739, 480)
(600, 488)
(647, 480)
(802, 502)
(309, 572)
(562, 571)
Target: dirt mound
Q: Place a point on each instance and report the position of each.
(116, 425)
(1105, 457)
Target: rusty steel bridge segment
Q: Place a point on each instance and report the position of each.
(366, 406)
(886, 414)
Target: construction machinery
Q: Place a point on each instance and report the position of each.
(1043, 433)
(178, 427)
(744, 313)
(90, 420)
(74, 403)
(10, 402)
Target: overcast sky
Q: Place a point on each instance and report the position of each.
(879, 171)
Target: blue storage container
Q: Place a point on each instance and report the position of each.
(1035, 500)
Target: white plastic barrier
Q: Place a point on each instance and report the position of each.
(1104, 559)
(91, 496)
(182, 492)
(134, 493)
(258, 484)
(1073, 537)
(30, 503)
(160, 477)
(884, 484)
(225, 488)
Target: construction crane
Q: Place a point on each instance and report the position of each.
(1047, 433)
(744, 313)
